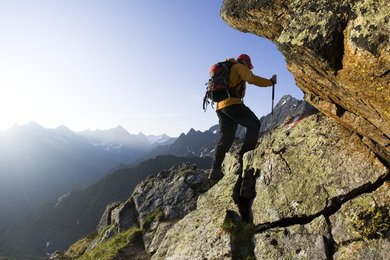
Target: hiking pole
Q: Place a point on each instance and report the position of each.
(273, 97)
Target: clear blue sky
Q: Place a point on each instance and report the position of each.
(141, 64)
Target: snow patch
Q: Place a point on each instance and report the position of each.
(61, 199)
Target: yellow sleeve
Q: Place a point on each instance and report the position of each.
(246, 74)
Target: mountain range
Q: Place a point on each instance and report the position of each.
(198, 143)
(64, 168)
(38, 165)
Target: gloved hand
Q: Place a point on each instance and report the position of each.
(273, 79)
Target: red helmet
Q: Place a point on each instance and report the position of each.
(246, 58)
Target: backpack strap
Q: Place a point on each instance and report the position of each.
(205, 102)
(235, 91)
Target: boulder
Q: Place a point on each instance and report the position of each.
(309, 169)
(200, 234)
(338, 52)
(105, 219)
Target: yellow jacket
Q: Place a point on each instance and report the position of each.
(241, 73)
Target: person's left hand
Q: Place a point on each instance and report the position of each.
(273, 79)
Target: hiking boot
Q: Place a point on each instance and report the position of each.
(215, 175)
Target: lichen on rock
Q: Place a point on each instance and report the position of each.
(304, 169)
(199, 235)
(338, 52)
(363, 218)
(295, 242)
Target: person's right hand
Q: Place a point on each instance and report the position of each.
(273, 79)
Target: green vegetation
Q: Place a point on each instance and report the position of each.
(241, 234)
(186, 172)
(238, 230)
(373, 223)
(156, 215)
(110, 248)
(78, 248)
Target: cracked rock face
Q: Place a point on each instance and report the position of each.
(301, 241)
(303, 170)
(317, 170)
(312, 178)
(348, 226)
(338, 52)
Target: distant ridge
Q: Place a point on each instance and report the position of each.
(197, 143)
(38, 164)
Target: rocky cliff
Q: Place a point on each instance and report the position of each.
(312, 189)
(338, 52)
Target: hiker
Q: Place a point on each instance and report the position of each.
(232, 111)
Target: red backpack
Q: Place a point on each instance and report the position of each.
(218, 88)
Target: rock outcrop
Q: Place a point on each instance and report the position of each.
(338, 52)
(315, 180)
(311, 175)
(153, 208)
(319, 193)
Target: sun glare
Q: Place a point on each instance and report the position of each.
(13, 107)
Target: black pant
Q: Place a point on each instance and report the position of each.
(229, 118)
